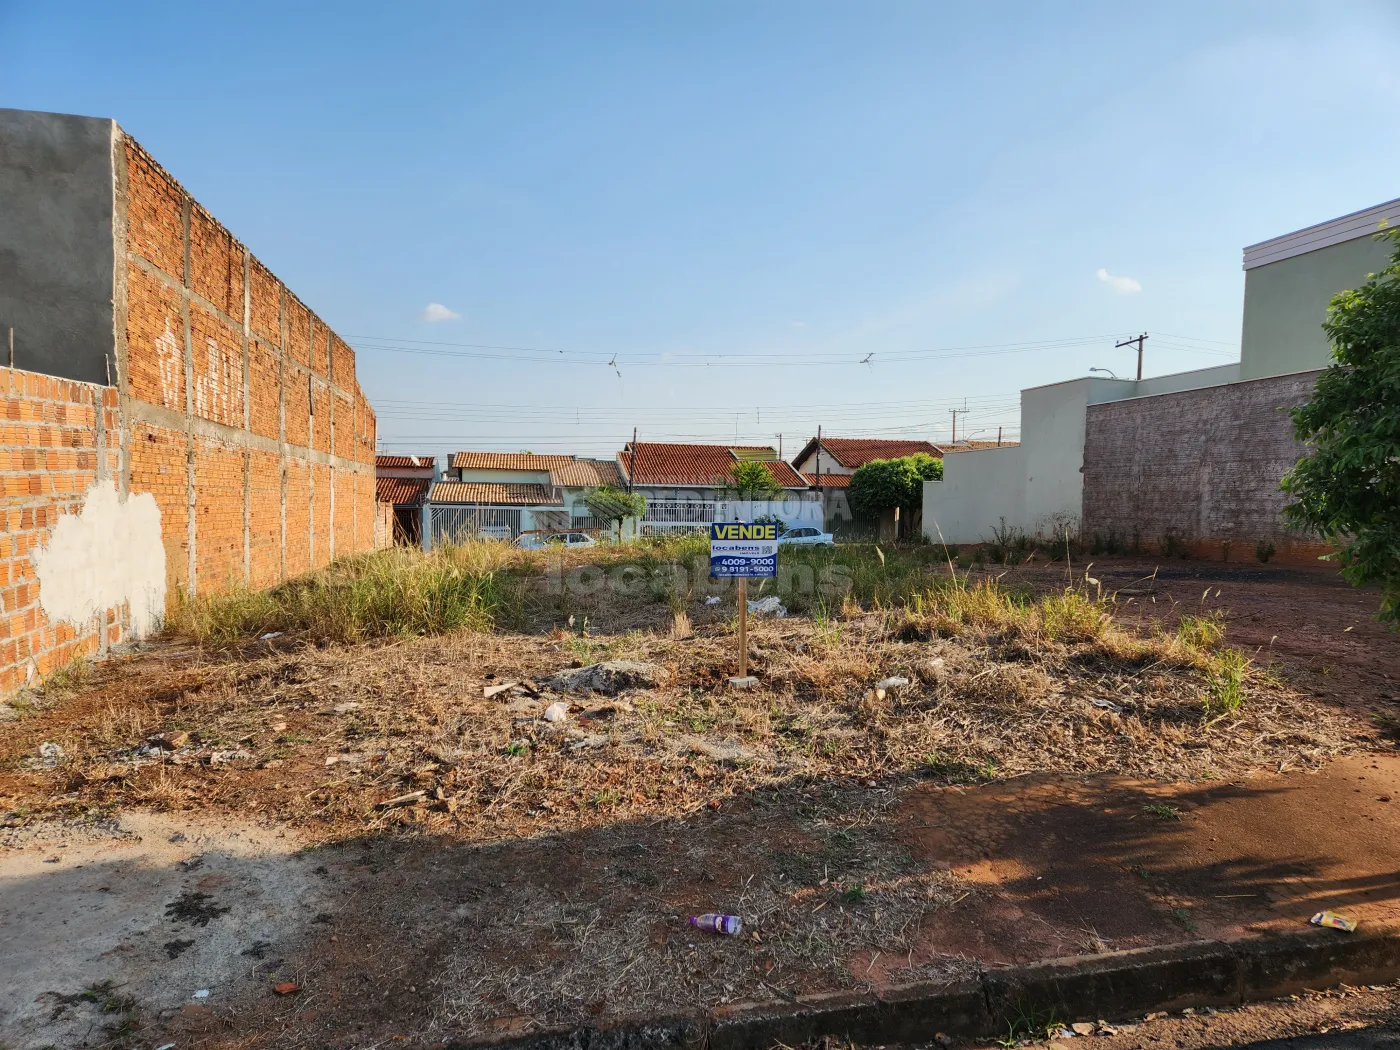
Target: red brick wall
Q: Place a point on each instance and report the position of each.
(54, 436)
(1202, 466)
(216, 371)
(229, 383)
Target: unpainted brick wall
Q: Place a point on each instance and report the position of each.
(1201, 466)
(244, 415)
(56, 439)
(233, 405)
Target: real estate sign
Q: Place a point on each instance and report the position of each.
(743, 549)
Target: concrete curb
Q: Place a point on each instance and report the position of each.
(1112, 986)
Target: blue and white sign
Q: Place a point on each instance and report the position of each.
(746, 549)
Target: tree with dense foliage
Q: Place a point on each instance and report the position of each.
(1347, 489)
(611, 504)
(885, 483)
(753, 480)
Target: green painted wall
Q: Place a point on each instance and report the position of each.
(1285, 304)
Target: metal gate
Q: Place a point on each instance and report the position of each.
(460, 524)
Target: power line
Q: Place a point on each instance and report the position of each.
(687, 359)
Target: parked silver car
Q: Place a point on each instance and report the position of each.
(807, 536)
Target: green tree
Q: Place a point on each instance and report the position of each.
(612, 505)
(752, 480)
(885, 483)
(1347, 489)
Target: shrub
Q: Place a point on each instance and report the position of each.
(1347, 489)
(752, 480)
(611, 504)
(883, 484)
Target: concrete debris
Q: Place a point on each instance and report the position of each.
(219, 758)
(346, 708)
(609, 677)
(354, 758)
(894, 682)
(747, 682)
(1107, 705)
(171, 741)
(490, 691)
(588, 740)
(769, 606)
(50, 754)
(1082, 1028)
(712, 600)
(556, 712)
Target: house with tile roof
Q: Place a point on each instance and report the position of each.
(401, 485)
(688, 486)
(502, 494)
(836, 456)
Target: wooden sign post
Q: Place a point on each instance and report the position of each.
(740, 550)
(743, 626)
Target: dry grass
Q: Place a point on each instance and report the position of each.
(1002, 684)
(396, 592)
(794, 784)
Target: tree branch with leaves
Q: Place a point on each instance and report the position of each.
(1347, 489)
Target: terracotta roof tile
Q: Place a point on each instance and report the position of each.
(494, 493)
(696, 466)
(830, 481)
(401, 492)
(585, 473)
(856, 452)
(508, 461)
(425, 462)
(971, 446)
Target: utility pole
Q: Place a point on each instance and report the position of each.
(633, 472)
(998, 437)
(1129, 342)
(819, 459)
(955, 425)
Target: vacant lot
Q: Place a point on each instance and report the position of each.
(360, 769)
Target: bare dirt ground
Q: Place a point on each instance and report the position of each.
(421, 860)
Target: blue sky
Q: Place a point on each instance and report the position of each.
(739, 202)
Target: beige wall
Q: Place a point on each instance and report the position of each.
(1286, 302)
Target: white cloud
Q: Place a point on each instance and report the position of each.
(1121, 285)
(438, 312)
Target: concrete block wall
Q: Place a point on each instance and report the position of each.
(247, 422)
(57, 439)
(1202, 466)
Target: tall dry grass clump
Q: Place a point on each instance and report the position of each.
(955, 607)
(394, 592)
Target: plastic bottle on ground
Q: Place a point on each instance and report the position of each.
(717, 923)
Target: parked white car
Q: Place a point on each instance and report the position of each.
(536, 540)
(807, 536)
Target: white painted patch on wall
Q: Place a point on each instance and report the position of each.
(108, 554)
(172, 365)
